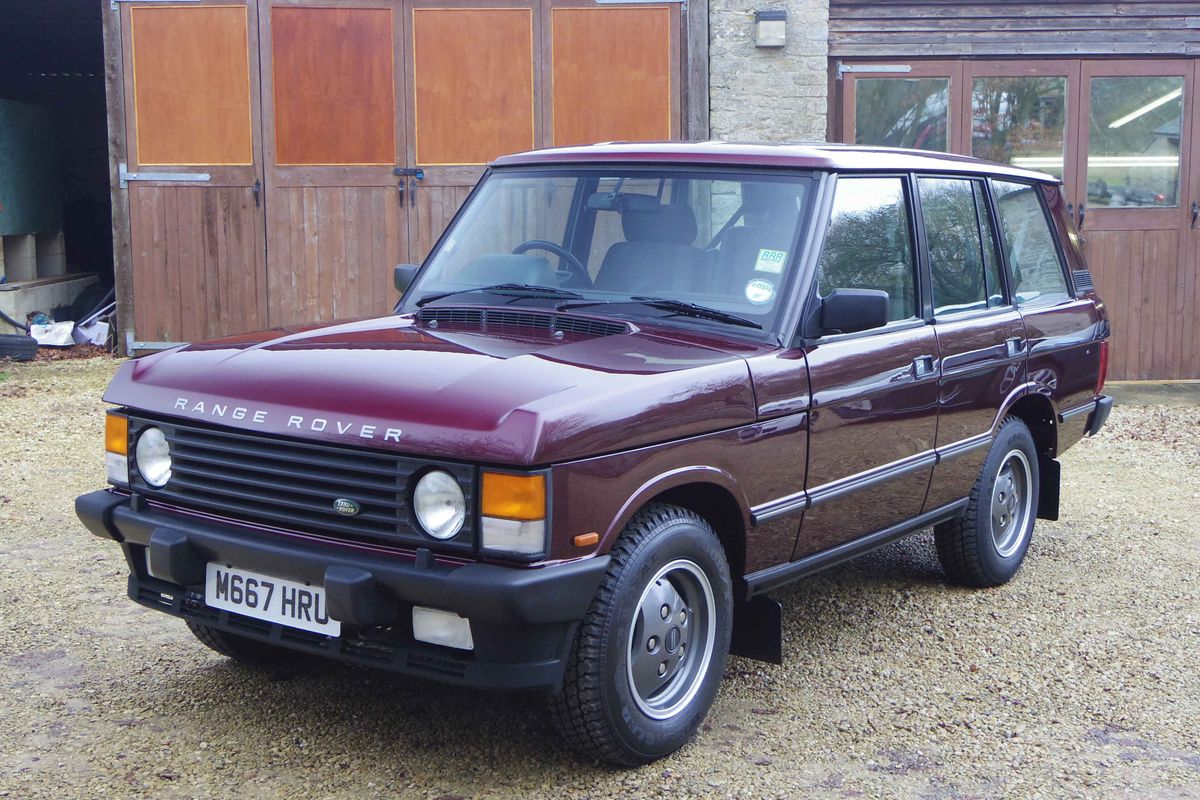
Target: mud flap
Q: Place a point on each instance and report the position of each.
(758, 629)
(1051, 475)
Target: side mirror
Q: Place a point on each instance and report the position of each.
(852, 310)
(404, 276)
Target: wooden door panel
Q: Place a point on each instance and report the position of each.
(192, 117)
(191, 78)
(333, 86)
(333, 248)
(197, 262)
(333, 89)
(474, 92)
(614, 74)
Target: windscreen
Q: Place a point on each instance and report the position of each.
(623, 242)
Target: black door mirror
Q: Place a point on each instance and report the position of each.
(851, 310)
(404, 276)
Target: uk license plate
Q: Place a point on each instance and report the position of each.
(290, 603)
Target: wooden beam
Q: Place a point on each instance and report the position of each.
(695, 80)
(114, 83)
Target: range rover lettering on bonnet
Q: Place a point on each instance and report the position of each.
(313, 424)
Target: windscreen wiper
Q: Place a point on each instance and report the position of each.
(507, 289)
(674, 306)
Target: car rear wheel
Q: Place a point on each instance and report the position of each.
(986, 545)
(249, 652)
(649, 656)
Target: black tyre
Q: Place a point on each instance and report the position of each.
(650, 654)
(17, 347)
(985, 547)
(242, 650)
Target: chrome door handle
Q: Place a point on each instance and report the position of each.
(1014, 347)
(922, 366)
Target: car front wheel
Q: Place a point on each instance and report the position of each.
(649, 656)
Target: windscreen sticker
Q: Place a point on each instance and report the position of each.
(770, 261)
(760, 292)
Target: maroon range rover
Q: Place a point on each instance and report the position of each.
(633, 390)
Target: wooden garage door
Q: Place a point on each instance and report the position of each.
(192, 118)
(337, 138)
(333, 136)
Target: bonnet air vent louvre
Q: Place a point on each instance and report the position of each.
(1083, 280)
(495, 320)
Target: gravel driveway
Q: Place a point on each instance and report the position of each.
(1080, 678)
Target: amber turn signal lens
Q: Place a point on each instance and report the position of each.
(116, 434)
(587, 539)
(521, 497)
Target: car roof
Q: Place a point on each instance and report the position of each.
(819, 156)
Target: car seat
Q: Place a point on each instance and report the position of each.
(657, 255)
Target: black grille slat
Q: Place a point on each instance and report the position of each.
(292, 484)
(491, 319)
(246, 448)
(281, 500)
(1083, 280)
(292, 473)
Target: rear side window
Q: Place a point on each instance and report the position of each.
(869, 244)
(952, 240)
(1036, 274)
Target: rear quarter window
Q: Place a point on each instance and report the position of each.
(1035, 269)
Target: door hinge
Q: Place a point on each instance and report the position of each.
(126, 176)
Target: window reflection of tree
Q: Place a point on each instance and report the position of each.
(869, 248)
(902, 112)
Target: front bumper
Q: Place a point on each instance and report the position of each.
(522, 619)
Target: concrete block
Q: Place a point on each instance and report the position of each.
(20, 257)
(51, 255)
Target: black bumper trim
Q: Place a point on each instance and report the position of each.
(1100, 415)
(485, 592)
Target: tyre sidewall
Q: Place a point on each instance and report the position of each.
(681, 537)
(1012, 436)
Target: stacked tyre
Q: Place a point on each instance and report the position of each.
(17, 347)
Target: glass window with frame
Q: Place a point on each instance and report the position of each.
(953, 244)
(902, 112)
(1035, 269)
(1021, 121)
(1135, 126)
(869, 243)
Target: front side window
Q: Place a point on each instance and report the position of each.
(962, 269)
(1035, 271)
(869, 244)
(623, 240)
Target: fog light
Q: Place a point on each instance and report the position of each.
(442, 627)
(117, 468)
(526, 538)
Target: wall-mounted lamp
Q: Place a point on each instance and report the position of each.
(770, 27)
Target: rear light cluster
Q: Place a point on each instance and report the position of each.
(1103, 367)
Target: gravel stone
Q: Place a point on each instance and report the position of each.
(1078, 679)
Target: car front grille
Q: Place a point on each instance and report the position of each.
(292, 484)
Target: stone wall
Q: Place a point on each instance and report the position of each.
(768, 94)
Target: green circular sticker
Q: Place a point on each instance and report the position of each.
(760, 292)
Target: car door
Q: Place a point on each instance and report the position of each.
(980, 334)
(873, 416)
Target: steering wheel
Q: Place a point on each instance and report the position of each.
(577, 269)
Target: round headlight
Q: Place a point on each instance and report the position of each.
(153, 456)
(439, 504)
